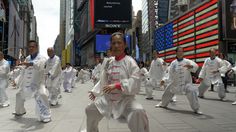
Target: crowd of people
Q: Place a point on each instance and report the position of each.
(117, 80)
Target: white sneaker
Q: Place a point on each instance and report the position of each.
(83, 130)
(6, 105)
(198, 112)
(54, 103)
(159, 105)
(234, 103)
(46, 120)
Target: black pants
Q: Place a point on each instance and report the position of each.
(224, 79)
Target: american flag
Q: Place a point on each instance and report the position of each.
(196, 31)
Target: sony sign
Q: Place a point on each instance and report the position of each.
(113, 13)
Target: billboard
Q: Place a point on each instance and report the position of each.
(229, 19)
(103, 42)
(196, 31)
(113, 13)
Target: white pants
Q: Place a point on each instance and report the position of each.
(205, 84)
(3, 95)
(53, 94)
(82, 79)
(67, 86)
(191, 93)
(150, 85)
(42, 104)
(134, 114)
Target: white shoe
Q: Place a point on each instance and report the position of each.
(173, 101)
(83, 130)
(234, 103)
(198, 112)
(54, 103)
(46, 120)
(6, 105)
(159, 105)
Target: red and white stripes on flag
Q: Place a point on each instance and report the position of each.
(196, 31)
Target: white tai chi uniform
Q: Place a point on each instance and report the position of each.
(209, 77)
(180, 82)
(4, 71)
(53, 80)
(13, 75)
(74, 78)
(32, 84)
(83, 75)
(166, 79)
(156, 73)
(17, 77)
(120, 103)
(144, 76)
(234, 69)
(96, 73)
(68, 75)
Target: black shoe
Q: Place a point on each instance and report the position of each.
(202, 97)
(16, 114)
(211, 90)
(151, 98)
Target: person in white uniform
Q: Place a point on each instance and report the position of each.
(210, 73)
(143, 73)
(75, 78)
(233, 70)
(114, 94)
(180, 81)
(69, 74)
(32, 84)
(96, 71)
(228, 68)
(167, 80)
(82, 75)
(53, 76)
(4, 71)
(13, 75)
(156, 73)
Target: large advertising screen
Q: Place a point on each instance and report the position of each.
(229, 19)
(113, 13)
(103, 42)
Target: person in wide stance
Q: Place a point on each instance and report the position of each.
(180, 81)
(210, 73)
(114, 94)
(4, 71)
(32, 84)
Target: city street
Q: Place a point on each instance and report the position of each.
(69, 116)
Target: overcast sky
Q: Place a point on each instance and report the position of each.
(47, 13)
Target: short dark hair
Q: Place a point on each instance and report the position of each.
(33, 41)
(1, 53)
(212, 49)
(156, 51)
(141, 62)
(178, 48)
(68, 64)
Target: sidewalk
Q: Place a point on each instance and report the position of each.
(69, 116)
